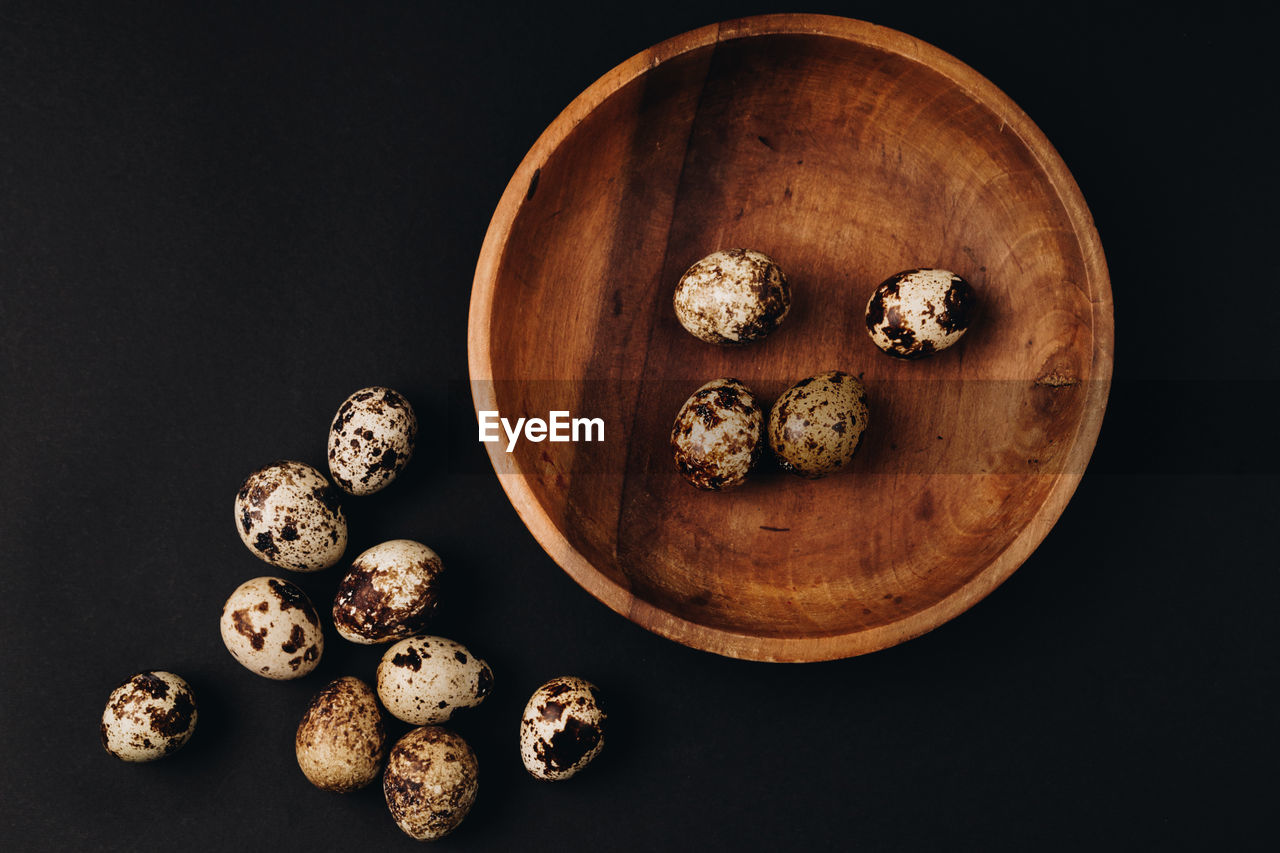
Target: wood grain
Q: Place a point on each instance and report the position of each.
(847, 152)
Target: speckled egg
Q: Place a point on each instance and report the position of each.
(562, 729)
(716, 438)
(341, 740)
(430, 783)
(816, 425)
(270, 627)
(149, 716)
(732, 297)
(389, 593)
(371, 440)
(423, 680)
(919, 312)
(289, 515)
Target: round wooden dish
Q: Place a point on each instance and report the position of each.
(847, 152)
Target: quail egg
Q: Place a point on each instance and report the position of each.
(371, 440)
(270, 627)
(289, 515)
(816, 425)
(389, 593)
(341, 740)
(732, 297)
(423, 680)
(430, 783)
(916, 313)
(149, 716)
(716, 438)
(562, 729)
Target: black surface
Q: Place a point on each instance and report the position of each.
(217, 221)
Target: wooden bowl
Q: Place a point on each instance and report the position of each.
(846, 152)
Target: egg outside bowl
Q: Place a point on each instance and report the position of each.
(847, 152)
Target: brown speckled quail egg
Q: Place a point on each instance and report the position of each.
(371, 440)
(289, 515)
(389, 593)
(341, 740)
(716, 438)
(916, 313)
(732, 297)
(816, 425)
(430, 783)
(270, 627)
(423, 680)
(562, 729)
(149, 716)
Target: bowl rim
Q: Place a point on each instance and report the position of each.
(827, 647)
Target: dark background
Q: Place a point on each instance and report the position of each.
(217, 221)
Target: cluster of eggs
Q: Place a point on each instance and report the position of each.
(290, 515)
(736, 296)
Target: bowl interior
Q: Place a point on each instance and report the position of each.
(846, 160)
